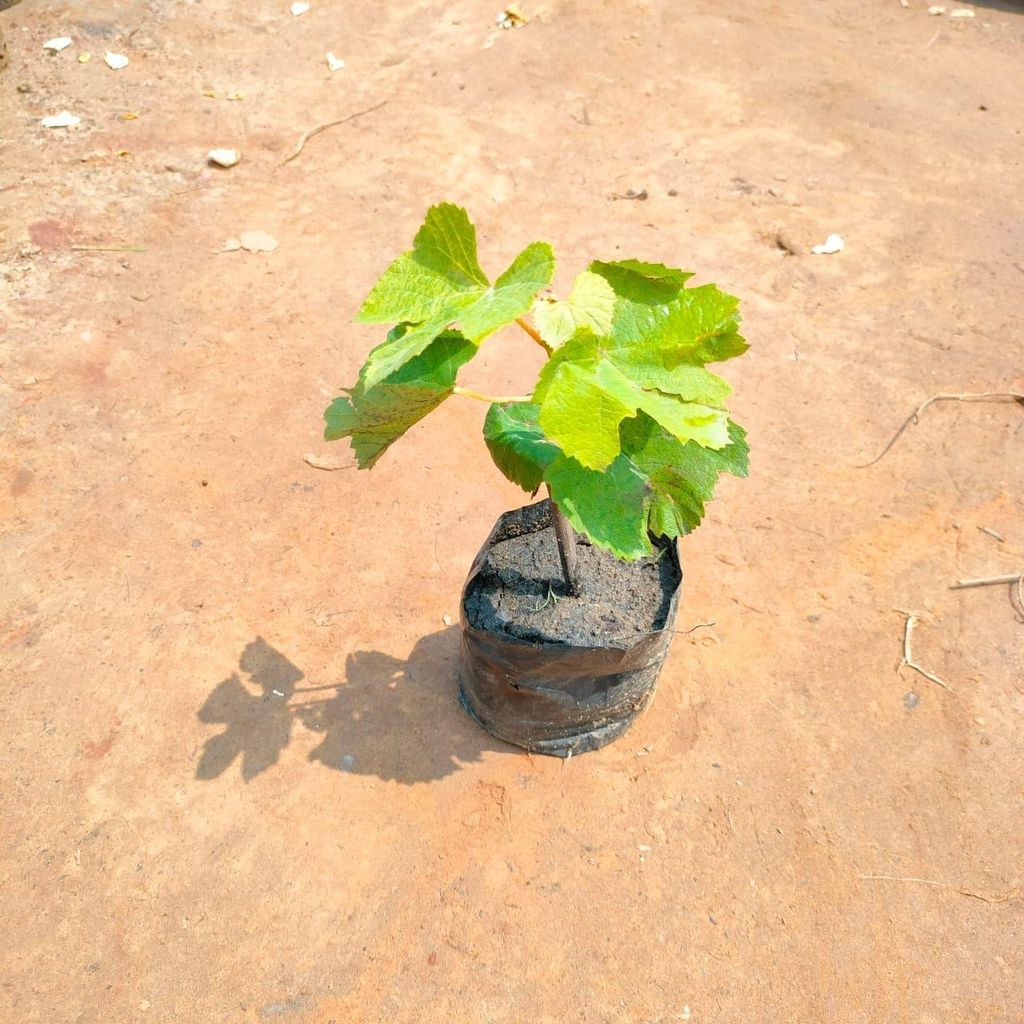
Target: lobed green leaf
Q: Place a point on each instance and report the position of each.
(693, 325)
(439, 283)
(590, 306)
(518, 445)
(375, 417)
(590, 385)
(656, 485)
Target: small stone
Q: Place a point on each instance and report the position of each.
(911, 700)
(223, 157)
(257, 241)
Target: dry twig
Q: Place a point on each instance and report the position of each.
(728, 817)
(319, 462)
(898, 878)
(908, 658)
(985, 897)
(1016, 581)
(306, 136)
(987, 581)
(988, 396)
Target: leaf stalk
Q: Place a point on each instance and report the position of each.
(490, 399)
(532, 332)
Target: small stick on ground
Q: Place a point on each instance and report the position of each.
(987, 581)
(992, 533)
(320, 462)
(1016, 581)
(899, 878)
(908, 658)
(985, 897)
(306, 136)
(988, 396)
(728, 817)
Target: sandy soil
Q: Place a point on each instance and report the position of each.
(238, 786)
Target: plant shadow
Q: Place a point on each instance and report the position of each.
(393, 718)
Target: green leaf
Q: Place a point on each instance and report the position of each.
(636, 281)
(700, 325)
(375, 417)
(439, 282)
(609, 507)
(649, 359)
(512, 294)
(518, 445)
(440, 266)
(681, 477)
(590, 385)
(590, 306)
(655, 486)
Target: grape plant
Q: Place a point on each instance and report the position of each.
(625, 426)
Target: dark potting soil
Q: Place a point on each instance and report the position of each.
(520, 591)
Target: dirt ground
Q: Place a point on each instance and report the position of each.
(237, 784)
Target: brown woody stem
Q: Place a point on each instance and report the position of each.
(567, 552)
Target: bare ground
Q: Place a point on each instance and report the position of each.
(238, 786)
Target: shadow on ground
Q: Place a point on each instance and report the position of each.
(391, 718)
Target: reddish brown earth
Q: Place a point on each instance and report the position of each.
(181, 843)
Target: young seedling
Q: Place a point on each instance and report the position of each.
(625, 426)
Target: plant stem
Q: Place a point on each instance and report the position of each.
(532, 332)
(566, 548)
(490, 399)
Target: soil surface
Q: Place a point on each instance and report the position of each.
(238, 786)
(520, 592)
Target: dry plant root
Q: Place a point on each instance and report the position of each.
(986, 396)
(908, 658)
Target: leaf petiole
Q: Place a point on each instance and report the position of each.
(532, 332)
(489, 399)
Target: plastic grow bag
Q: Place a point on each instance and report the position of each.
(555, 698)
